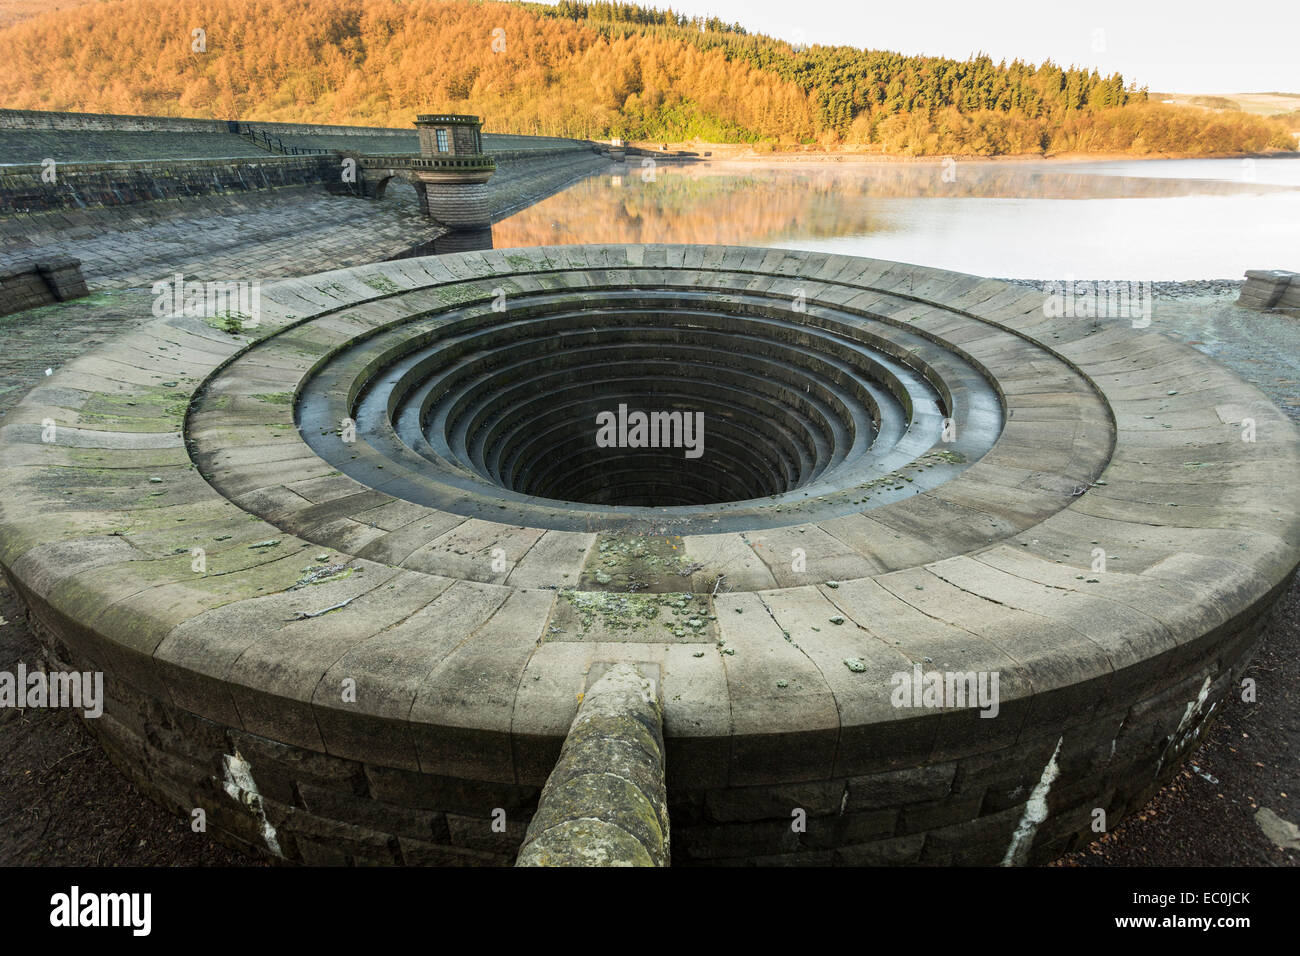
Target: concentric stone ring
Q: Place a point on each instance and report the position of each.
(467, 407)
(369, 554)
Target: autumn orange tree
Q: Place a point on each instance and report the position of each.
(590, 70)
(379, 63)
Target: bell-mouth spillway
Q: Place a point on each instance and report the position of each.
(818, 412)
(394, 646)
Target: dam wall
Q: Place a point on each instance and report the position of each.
(49, 119)
(56, 162)
(32, 136)
(25, 191)
(522, 177)
(137, 197)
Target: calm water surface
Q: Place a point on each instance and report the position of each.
(1154, 219)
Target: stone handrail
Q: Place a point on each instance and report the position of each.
(605, 803)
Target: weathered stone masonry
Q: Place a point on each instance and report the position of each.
(1271, 289)
(223, 162)
(223, 691)
(605, 803)
(27, 285)
(90, 185)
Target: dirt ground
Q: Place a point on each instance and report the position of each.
(63, 803)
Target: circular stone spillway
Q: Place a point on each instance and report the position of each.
(349, 573)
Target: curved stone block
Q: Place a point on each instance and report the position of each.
(951, 575)
(605, 803)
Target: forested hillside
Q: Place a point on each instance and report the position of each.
(576, 69)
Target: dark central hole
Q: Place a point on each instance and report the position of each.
(640, 408)
(481, 413)
(656, 451)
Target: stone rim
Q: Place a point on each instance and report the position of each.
(855, 474)
(1073, 649)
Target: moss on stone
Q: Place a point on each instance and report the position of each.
(146, 409)
(626, 561)
(230, 322)
(275, 398)
(382, 284)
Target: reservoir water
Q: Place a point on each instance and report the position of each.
(1130, 219)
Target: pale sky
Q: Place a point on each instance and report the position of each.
(1175, 46)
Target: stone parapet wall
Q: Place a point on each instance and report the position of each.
(62, 147)
(544, 152)
(522, 176)
(42, 120)
(47, 119)
(962, 807)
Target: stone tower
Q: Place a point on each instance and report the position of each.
(450, 134)
(453, 170)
